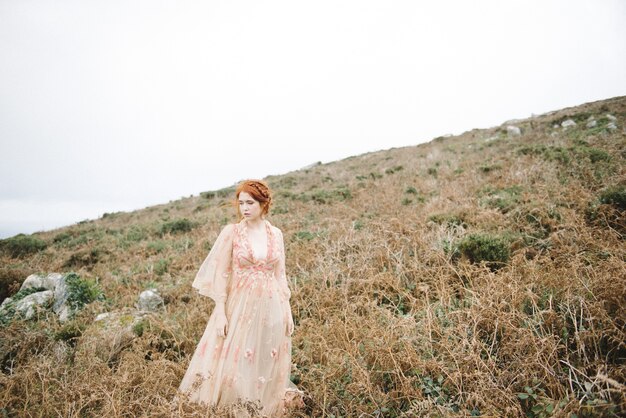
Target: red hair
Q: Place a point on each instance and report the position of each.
(259, 190)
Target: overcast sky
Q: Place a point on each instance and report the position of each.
(117, 105)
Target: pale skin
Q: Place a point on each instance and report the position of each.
(257, 235)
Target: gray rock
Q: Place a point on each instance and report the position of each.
(110, 335)
(592, 123)
(48, 282)
(55, 285)
(61, 293)
(64, 313)
(149, 300)
(568, 123)
(611, 126)
(513, 130)
(27, 306)
(102, 316)
(6, 301)
(611, 117)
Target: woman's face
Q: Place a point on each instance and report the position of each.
(249, 208)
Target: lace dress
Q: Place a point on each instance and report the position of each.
(253, 361)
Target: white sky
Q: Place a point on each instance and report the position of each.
(117, 105)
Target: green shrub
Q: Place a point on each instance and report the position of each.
(342, 193)
(595, 155)
(503, 199)
(557, 154)
(582, 149)
(76, 241)
(321, 196)
(438, 392)
(488, 168)
(62, 237)
(22, 293)
(207, 195)
(549, 153)
(432, 171)
(140, 327)
(411, 190)
(22, 245)
(111, 215)
(451, 249)
(616, 196)
(447, 219)
(176, 226)
(81, 291)
(327, 196)
(305, 235)
(136, 233)
(70, 332)
(226, 192)
(287, 182)
(286, 194)
(156, 246)
(394, 169)
(279, 210)
(161, 266)
(7, 312)
(493, 250)
(76, 237)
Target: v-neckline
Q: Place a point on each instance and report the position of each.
(249, 244)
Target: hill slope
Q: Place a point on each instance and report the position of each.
(482, 274)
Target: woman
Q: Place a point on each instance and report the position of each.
(245, 351)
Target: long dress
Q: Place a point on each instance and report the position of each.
(252, 362)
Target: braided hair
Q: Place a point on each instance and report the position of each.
(259, 190)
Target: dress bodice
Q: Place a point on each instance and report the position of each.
(243, 254)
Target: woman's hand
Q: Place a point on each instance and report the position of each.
(289, 320)
(289, 325)
(221, 324)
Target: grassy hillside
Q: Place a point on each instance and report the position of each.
(476, 275)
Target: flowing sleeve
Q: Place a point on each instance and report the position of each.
(280, 272)
(213, 276)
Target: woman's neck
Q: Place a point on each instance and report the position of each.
(256, 224)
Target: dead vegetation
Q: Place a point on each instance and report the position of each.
(478, 275)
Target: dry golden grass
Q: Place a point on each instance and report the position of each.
(391, 321)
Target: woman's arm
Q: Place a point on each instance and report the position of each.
(214, 274)
(279, 271)
(281, 276)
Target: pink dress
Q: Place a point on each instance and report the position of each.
(253, 361)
